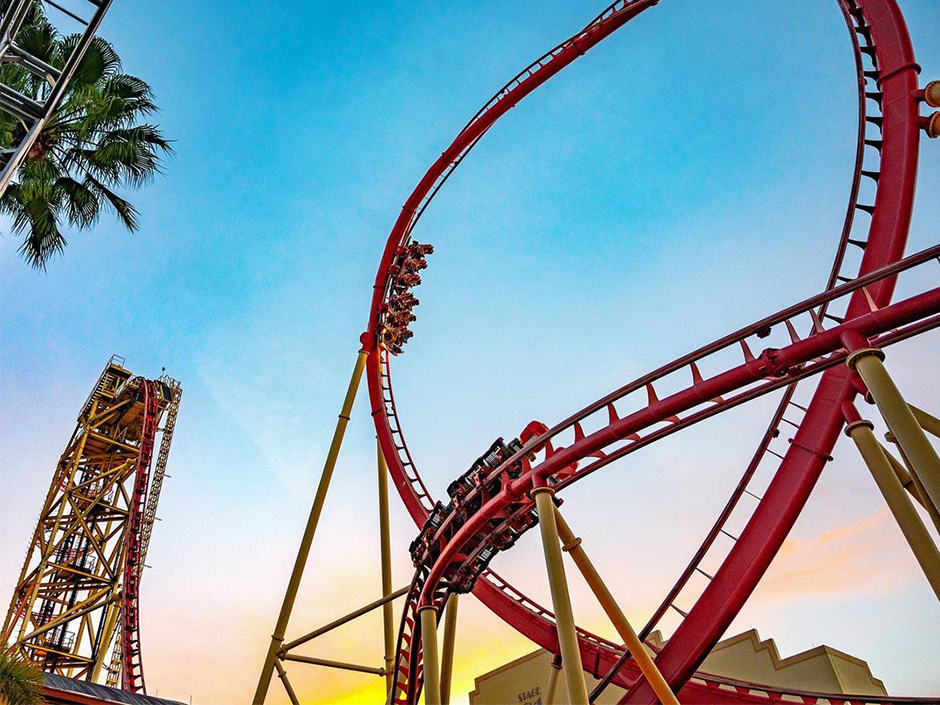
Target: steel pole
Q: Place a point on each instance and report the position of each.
(11, 24)
(388, 615)
(928, 422)
(447, 653)
(572, 545)
(342, 665)
(904, 476)
(320, 631)
(300, 562)
(900, 419)
(432, 662)
(552, 688)
(561, 600)
(925, 551)
(107, 633)
(282, 674)
(922, 497)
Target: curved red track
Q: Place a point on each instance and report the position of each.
(132, 667)
(878, 31)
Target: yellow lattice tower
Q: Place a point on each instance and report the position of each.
(75, 602)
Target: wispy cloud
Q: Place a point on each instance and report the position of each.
(256, 386)
(866, 556)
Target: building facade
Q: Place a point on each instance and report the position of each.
(744, 657)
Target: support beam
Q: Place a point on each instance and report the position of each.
(110, 624)
(572, 545)
(904, 476)
(925, 463)
(432, 662)
(282, 674)
(280, 627)
(931, 424)
(319, 631)
(447, 653)
(923, 547)
(561, 600)
(388, 616)
(342, 665)
(89, 604)
(552, 689)
(921, 493)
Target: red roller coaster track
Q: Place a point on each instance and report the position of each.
(888, 135)
(132, 669)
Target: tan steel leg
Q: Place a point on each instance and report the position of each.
(432, 661)
(388, 615)
(925, 551)
(277, 638)
(925, 463)
(553, 672)
(282, 674)
(614, 613)
(447, 654)
(921, 493)
(113, 610)
(561, 600)
(931, 424)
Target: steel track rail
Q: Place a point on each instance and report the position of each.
(132, 669)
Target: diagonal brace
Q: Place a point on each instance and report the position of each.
(572, 545)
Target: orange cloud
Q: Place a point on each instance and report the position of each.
(867, 556)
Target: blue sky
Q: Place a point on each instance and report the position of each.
(683, 179)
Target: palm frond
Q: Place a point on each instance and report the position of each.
(125, 156)
(41, 40)
(8, 128)
(17, 77)
(20, 681)
(37, 213)
(100, 60)
(128, 87)
(81, 202)
(124, 210)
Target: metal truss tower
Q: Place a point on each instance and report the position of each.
(34, 112)
(75, 609)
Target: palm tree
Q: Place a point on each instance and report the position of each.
(20, 681)
(93, 144)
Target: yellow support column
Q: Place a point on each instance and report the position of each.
(113, 610)
(553, 672)
(432, 662)
(447, 654)
(282, 674)
(277, 638)
(572, 545)
(388, 616)
(561, 600)
(931, 424)
(910, 482)
(925, 463)
(925, 551)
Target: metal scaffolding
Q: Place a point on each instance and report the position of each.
(75, 602)
(34, 112)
